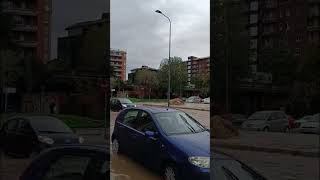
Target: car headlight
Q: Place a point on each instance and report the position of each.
(202, 162)
(45, 139)
(123, 105)
(81, 140)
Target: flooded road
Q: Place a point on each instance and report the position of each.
(124, 168)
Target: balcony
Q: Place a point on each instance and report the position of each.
(25, 28)
(23, 43)
(20, 11)
(270, 5)
(314, 28)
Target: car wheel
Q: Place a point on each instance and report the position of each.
(115, 146)
(287, 130)
(170, 172)
(34, 153)
(266, 129)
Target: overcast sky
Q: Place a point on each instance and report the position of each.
(68, 12)
(136, 28)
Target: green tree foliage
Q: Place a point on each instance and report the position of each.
(148, 79)
(179, 76)
(203, 84)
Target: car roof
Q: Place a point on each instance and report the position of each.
(154, 110)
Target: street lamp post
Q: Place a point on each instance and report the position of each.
(169, 60)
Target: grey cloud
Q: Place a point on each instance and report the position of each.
(135, 27)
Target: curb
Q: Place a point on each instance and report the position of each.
(267, 150)
(177, 107)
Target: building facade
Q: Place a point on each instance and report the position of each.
(118, 60)
(197, 67)
(282, 24)
(31, 26)
(132, 74)
(84, 49)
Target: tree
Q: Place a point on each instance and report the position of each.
(179, 76)
(148, 79)
(202, 83)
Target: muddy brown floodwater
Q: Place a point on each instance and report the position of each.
(124, 168)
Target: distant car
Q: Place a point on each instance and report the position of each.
(225, 167)
(118, 104)
(74, 162)
(308, 124)
(29, 135)
(194, 99)
(166, 140)
(276, 121)
(206, 100)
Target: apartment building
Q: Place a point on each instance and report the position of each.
(31, 26)
(197, 67)
(118, 59)
(282, 23)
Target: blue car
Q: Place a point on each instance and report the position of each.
(166, 140)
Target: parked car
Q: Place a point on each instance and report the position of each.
(194, 99)
(225, 167)
(236, 119)
(29, 135)
(206, 100)
(276, 121)
(72, 162)
(308, 124)
(166, 140)
(117, 104)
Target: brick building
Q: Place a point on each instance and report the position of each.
(31, 29)
(282, 23)
(197, 67)
(118, 59)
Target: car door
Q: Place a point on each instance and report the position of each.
(272, 121)
(127, 131)
(148, 147)
(9, 136)
(26, 137)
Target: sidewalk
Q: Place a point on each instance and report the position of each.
(192, 106)
(306, 145)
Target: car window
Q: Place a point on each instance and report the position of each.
(24, 126)
(178, 123)
(130, 117)
(12, 125)
(144, 123)
(68, 167)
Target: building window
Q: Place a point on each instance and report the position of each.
(254, 6)
(253, 18)
(298, 51)
(298, 38)
(288, 12)
(253, 31)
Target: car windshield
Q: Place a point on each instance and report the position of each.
(228, 169)
(49, 125)
(315, 118)
(259, 116)
(125, 101)
(178, 123)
